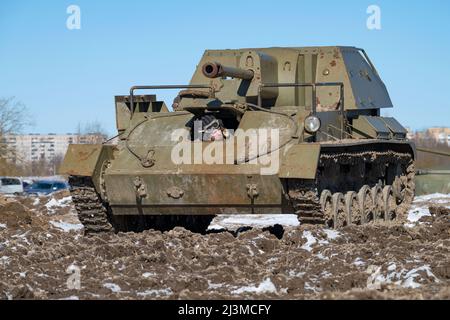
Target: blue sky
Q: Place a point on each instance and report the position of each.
(70, 76)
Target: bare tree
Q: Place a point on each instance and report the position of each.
(93, 128)
(14, 118)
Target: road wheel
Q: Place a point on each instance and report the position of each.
(352, 209)
(377, 198)
(389, 204)
(365, 204)
(339, 216)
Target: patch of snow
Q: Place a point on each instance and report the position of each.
(2, 225)
(235, 221)
(272, 260)
(67, 227)
(42, 275)
(264, 287)
(61, 203)
(214, 286)
(325, 274)
(413, 274)
(310, 241)
(392, 267)
(321, 256)
(403, 278)
(410, 283)
(36, 201)
(113, 287)
(156, 293)
(308, 286)
(332, 234)
(430, 197)
(421, 204)
(215, 227)
(284, 290)
(416, 214)
(70, 298)
(147, 275)
(359, 262)
(51, 204)
(5, 260)
(292, 273)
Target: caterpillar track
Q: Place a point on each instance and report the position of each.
(375, 196)
(92, 212)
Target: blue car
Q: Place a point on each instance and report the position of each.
(46, 187)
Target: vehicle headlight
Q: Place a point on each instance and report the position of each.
(312, 124)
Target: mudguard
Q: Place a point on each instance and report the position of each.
(86, 160)
(300, 161)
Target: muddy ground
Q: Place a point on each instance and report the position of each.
(43, 250)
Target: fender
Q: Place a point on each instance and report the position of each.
(300, 161)
(86, 160)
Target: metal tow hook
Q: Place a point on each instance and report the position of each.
(141, 188)
(252, 191)
(149, 160)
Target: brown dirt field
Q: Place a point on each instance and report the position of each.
(377, 261)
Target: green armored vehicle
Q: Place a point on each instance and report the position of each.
(257, 131)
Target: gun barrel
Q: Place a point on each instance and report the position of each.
(436, 152)
(216, 70)
(432, 172)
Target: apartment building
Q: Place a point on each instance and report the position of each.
(439, 134)
(29, 148)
